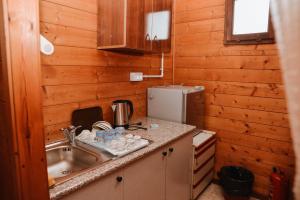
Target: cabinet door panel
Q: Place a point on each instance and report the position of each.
(107, 188)
(148, 25)
(111, 23)
(178, 170)
(135, 24)
(163, 10)
(145, 179)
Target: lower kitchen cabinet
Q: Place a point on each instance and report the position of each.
(107, 188)
(179, 169)
(162, 175)
(145, 179)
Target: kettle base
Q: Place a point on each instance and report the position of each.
(124, 126)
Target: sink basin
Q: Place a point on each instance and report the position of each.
(64, 161)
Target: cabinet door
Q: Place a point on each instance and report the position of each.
(161, 25)
(135, 25)
(178, 169)
(145, 179)
(148, 21)
(111, 23)
(107, 188)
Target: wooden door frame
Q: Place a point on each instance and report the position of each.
(23, 129)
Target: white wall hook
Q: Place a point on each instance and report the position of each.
(46, 47)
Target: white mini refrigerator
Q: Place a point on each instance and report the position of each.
(177, 103)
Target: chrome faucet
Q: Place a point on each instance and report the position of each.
(70, 133)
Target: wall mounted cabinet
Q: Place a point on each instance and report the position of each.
(135, 26)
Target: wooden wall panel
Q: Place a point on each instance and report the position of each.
(67, 15)
(274, 91)
(8, 174)
(8, 181)
(78, 75)
(245, 101)
(23, 168)
(1, 78)
(87, 5)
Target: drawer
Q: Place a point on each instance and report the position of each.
(199, 173)
(203, 156)
(204, 146)
(203, 184)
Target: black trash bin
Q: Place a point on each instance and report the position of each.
(236, 181)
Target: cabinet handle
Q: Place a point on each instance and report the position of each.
(171, 149)
(147, 37)
(119, 178)
(164, 153)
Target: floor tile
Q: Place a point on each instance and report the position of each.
(214, 192)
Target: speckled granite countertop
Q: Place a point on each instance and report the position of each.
(166, 133)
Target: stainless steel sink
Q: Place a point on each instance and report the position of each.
(64, 161)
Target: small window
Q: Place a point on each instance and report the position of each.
(248, 22)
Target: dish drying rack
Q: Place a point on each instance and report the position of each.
(119, 146)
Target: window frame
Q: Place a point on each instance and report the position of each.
(252, 38)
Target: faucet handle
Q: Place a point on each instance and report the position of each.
(74, 128)
(66, 133)
(70, 133)
(70, 130)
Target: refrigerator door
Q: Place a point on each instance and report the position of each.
(166, 104)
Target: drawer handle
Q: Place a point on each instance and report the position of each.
(171, 149)
(164, 153)
(119, 179)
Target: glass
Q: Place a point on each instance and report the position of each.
(251, 16)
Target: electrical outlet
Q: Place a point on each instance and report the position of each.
(136, 76)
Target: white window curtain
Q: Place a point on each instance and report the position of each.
(286, 18)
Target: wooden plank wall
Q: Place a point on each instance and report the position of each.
(1, 77)
(7, 181)
(78, 75)
(23, 121)
(7, 173)
(245, 101)
(7, 190)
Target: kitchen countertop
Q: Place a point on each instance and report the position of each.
(164, 134)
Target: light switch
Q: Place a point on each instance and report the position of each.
(136, 76)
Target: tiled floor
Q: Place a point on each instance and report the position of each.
(214, 192)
